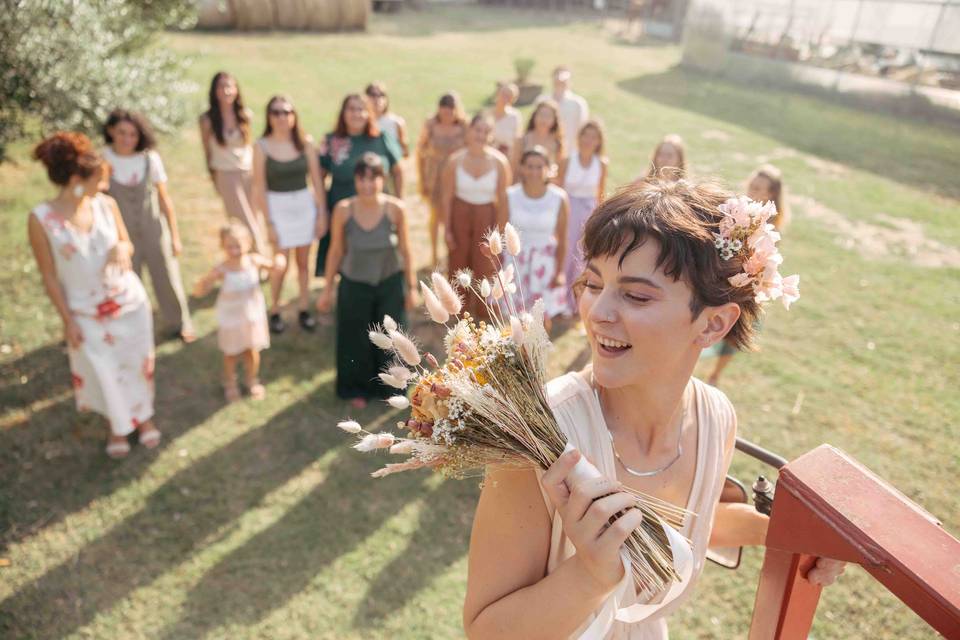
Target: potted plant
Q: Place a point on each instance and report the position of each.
(528, 91)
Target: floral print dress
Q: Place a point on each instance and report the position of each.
(536, 264)
(112, 369)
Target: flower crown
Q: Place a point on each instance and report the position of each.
(745, 233)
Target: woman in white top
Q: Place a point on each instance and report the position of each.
(138, 182)
(473, 201)
(583, 176)
(226, 137)
(545, 561)
(539, 211)
(283, 160)
(507, 120)
(387, 121)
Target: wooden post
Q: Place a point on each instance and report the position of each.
(828, 504)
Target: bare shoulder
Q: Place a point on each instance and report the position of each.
(108, 201)
(511, 500)
(341, 211)
(396, 207)
(497, 156)
(456, 156)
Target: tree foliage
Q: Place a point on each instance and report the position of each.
(64, 64)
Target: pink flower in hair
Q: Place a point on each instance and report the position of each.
(791, 290)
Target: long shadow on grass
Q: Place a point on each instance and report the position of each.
(176, 521)
(880, 144)
(442, 537)
(53, 463)
(280, 562)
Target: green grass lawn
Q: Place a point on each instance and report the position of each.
(258, 521)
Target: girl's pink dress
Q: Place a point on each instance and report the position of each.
(241, 311)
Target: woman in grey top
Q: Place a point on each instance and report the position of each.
(370, 251)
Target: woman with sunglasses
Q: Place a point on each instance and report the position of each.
(282, 160)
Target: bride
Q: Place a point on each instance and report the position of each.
(671, 269)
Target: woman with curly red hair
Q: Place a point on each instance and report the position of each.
(84, 255)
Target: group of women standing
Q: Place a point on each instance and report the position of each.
(284, 191)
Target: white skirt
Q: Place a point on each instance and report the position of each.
(294, 216)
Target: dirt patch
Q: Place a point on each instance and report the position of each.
(826, 167)
(888, 237)
(779, 153)
(716, 134)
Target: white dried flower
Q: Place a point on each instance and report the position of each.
(495, 242)
(435, 308)
(405, 347)
(403, 447)
(381, 340)
(400, 373)
(399, 402)
(512, 237)
(516, 331)
(350, 426)
(445, 292)
(389, 323)
(485, 289)
(393, 381)
(497, 290)
(374, 441)
(464, 278)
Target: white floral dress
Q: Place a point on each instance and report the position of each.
(536, 264)
(112, 369)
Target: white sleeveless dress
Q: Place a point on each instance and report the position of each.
(112, 369)
(622, 616)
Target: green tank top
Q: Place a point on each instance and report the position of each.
(372, 256)
(289, 175)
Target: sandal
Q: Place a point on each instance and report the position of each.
(231, 392)
(277, 325)
(149, 438)
(257, 390)
(117, 449)
(307, 321)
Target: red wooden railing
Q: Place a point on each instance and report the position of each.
(828, 504)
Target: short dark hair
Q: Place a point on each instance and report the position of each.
(370, 163)
(682, 217)
(535, 151)
(147, 139)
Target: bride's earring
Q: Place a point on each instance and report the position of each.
(78, 191)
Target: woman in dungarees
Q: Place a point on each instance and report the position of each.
(369, 249)
(138, 183)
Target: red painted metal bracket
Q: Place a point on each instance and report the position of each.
(828, 504)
